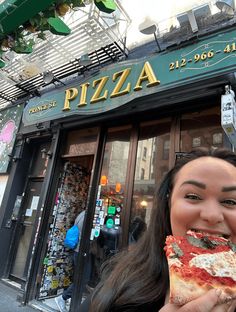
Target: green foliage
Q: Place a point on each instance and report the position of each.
(107, 6)
(2, 63)
(49, 20)
(58, 27)
(23, 46)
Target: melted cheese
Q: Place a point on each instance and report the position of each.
(174, 261)
(221, 264)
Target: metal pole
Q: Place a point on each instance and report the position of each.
(158, 45)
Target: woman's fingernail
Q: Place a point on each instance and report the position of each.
(218, 292)
(224, 298)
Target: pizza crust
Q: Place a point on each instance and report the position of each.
(182, 291)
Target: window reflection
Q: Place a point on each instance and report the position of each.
(202, 129)
(114, 170)
(154, 143)
(41, 161)
(106, 231)
(81, 142)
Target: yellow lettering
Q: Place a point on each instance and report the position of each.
(147, 73)
(123, 75)
(84, 89)
(42, 107)
(97, 94)
(70, 95)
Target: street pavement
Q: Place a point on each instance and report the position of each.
(8, 300)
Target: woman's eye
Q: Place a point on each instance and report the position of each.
(229, 202)
(192, 196)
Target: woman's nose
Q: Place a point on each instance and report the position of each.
(212, 213)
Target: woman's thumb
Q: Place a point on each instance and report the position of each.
(206, 302)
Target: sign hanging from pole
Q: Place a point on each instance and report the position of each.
(228, 114)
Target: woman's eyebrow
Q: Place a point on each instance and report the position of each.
(195, 183)
(228, 188)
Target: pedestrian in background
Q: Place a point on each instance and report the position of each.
(67, 293)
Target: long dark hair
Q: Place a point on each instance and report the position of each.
(140, 276)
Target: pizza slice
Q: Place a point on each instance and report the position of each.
(198, 262)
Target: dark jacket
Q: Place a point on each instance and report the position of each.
(84, 307)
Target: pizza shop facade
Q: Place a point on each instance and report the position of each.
(103, 145)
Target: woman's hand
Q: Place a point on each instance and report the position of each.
(213, 301)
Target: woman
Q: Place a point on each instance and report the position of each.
(199, 193)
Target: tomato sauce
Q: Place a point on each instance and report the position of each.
(201, 276)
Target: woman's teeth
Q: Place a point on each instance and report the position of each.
(211, 234)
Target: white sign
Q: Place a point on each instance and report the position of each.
(228, 116)
(33, 206)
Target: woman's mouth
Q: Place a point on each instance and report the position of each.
(208, 232)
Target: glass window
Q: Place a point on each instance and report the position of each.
(144, 153)
(196, 142)
(155, 138)
(81, 142)
(106, 231)
(202, 129)
(41, 154)
(166, 149)
(142, 174)
(217, 138)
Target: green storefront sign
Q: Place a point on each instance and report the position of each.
(124, 82)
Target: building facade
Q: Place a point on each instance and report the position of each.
(103, 144)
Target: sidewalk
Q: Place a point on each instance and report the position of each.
(8, 301)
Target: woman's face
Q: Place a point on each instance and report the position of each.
(204, 198)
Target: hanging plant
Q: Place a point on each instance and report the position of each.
(2, 63)
(23, 46)
(107, 6)
(62, 9)
(47, 20)
(58, 27)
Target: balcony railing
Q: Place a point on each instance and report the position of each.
(198, 21)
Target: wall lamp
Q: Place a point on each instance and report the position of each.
(85, 60)
(48, 77)
(149, 27)
(226, 6)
